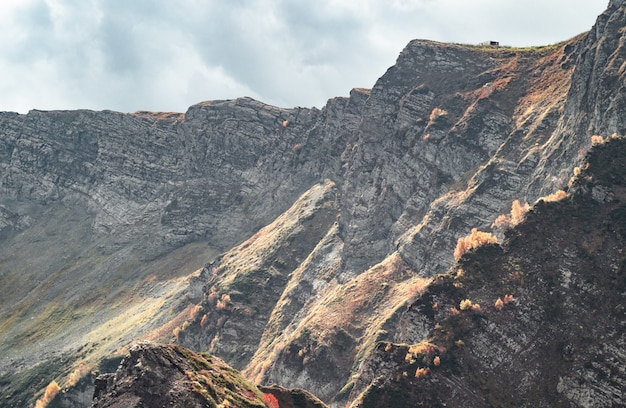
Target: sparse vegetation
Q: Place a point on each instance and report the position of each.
(49, 394)
(474, 240)
(556, 196)
(435, 116)
(517, 214)
(224, 302)
(217, 382)
(597, 139)
(467, 304)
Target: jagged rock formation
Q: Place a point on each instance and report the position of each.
(330, 222)
(557, 339)
(153, 375)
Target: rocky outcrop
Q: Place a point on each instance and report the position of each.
(153, 375)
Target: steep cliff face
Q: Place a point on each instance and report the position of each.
(330, 223)
(105, 216)
(536, 321)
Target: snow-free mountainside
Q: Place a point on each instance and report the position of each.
(454, 236)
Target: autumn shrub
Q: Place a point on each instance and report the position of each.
(51, 391)
(467, 304)
(270, 400)
(193, 312)
(435, 116)
(556, 196)
(212, 296)
(78, 374)
(474, 240)
(421, 372)
(223, 302)
(517, 214)
(500, 303)
(597, 139)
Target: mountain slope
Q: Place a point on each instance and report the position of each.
(557, 339)
(329, 222)
(105, 217)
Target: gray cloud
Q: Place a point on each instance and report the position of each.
(166, 55)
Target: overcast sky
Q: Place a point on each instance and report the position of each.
(164, 55)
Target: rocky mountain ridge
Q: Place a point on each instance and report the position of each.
(535, 321)
(330, 223)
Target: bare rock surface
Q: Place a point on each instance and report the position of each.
(154, 375)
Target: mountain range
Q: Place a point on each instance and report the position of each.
(453, 236)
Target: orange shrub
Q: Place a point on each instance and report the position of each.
(193, 312)
(467, 304)
(518, 211)
(270, 400)
(499, 305)
(556, 196)
(517, 214)
(596, 139)
(502, 222)
(434, 115)
(51, 391)
(421, 372)
(80, 372)
(474, 240)
(223, 302)
(212, 296)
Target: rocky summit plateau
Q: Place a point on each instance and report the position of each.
(453, 236)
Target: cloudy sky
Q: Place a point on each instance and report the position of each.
(164, 55)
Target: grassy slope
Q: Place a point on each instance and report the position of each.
(73, 298)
